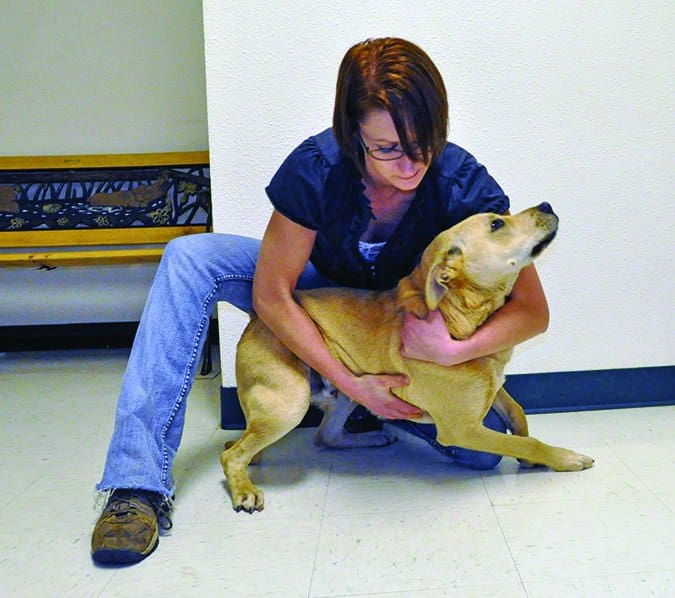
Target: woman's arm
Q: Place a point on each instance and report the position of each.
(524, 316)
(284, 253)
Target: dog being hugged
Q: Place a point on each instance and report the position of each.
(467, 272)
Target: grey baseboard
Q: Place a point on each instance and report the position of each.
(542, 393)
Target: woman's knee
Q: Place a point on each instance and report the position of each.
(188, 247)
(476, 459)
(218, 255)
(494, 421)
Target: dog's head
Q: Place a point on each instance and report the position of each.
(486, 252)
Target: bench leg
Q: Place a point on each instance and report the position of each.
(207, 355)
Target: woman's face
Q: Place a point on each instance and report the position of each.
(378, 135)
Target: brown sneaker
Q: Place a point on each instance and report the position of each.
(128, 529)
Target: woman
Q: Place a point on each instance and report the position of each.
(353, 206)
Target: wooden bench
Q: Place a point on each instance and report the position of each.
(95, 210)
(28, 184)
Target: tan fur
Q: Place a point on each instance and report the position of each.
(467, 272)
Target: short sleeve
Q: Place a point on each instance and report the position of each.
(298, 188)
(472, 188)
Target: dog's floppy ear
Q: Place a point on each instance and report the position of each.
(442, 272)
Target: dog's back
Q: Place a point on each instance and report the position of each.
(362, 328)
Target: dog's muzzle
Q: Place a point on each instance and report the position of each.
(545, 208)
(544, 243)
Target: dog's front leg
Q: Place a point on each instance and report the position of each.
(331, 432)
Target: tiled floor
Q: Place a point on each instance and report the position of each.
(396, 521)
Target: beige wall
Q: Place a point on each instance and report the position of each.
(568, 102)
(92, 76)
(83, 76)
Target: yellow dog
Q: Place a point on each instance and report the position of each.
(467, 272)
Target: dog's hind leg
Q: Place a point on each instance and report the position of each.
(465, 428)
(526, 448)
(511, 412)
(331, 432)
(281, 412)
(273, 389)
(513, 415)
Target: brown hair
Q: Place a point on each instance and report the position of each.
(395, 75)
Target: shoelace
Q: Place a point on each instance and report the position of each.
(163, 512)
(162, 508)
(124, 505)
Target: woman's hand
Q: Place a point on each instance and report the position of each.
(374, 392)
(429, 340)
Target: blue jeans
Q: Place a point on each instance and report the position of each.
(195, 272)
(461, 456)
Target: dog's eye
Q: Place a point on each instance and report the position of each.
(497, 223)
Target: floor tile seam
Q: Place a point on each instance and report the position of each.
(289, 519)
(195, 427)
(79, 478)
(395, 593)
(645, 483)
(393, 510)
(601, 500)
(21, 492)
(601, 576)
(642, 442)
(97, 590)
(434, 588)
(666, 506)
(75, 372)
(28, 451)
(536, 576)
(115, 572)
(187, 467)
(643, 487)
(506, 541)
(555, 501)
(329, 477)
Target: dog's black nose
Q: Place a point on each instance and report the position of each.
(545, 207)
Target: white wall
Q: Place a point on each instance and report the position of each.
(568, 102)
(83, 76)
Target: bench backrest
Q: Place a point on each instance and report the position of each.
(100, 209)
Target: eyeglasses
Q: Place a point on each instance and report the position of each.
(388, 154)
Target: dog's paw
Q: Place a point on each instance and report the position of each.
(249, 499)
(571, 461)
